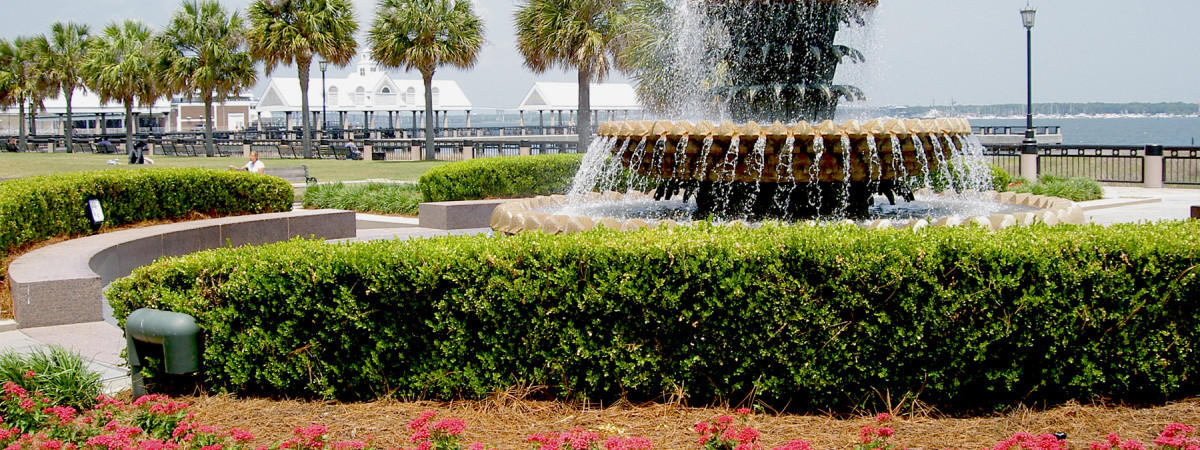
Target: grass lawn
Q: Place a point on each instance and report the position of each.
(14, 165)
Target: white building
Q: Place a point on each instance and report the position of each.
(369, 95)
(610, 101)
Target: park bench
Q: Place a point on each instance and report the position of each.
(291, 174)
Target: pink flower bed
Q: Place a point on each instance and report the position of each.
(28, 421)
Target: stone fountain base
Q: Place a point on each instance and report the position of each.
(526, 215)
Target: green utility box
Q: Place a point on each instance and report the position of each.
(174, 336)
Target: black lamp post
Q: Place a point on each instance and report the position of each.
(323, 64)
(1029, 145)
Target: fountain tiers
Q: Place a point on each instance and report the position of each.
(752, 153)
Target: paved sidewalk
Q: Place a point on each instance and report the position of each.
(102, 343)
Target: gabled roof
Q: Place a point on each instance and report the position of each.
(366, 89)
(87, 102)
(545, 96)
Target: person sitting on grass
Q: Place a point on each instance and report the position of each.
(254, 166)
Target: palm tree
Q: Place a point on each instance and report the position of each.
(580, 34)
(292, 32)
(23, 82)
(203, 50)
(63, 52)
(423, 35)
(116, 65)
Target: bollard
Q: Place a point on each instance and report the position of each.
(177, 336)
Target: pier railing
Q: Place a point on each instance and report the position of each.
(1150, 165)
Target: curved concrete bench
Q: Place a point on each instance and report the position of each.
(64, 283)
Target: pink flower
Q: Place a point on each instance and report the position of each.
(63, 413)
(702, 427)
(349, 445)
(30, 374)
(883, 417)
(451, 427)
(724, 420)
(476, 446)
(743, 411)
(240, 435)
(419, 435)
(795, 444)
(886, 432)
(211, 447)
(747, 435)
(632, 443)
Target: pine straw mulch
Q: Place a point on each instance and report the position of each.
(506, 420)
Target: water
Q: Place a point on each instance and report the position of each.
(1115, 130)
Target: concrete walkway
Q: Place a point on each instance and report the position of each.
(102, 343)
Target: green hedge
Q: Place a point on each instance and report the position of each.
(37, 208)
(385, 198)
(507, 177)
(821, 317)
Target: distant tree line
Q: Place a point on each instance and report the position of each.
(1014, 109)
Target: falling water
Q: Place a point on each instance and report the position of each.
(726, 173)
(846, 151)
(943, 166)
(591, 168)
(635, 160)
(784, 173)
(702, 168)
(814, 172)
(656, 161)
(898, 170)
(681, 158)
(875, 170)
(919, 149)
(612, 170)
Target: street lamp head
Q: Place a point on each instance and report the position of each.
(1027, 15)
(323, 64)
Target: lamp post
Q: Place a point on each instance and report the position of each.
(1029, 147)
(1030, 142)
(323, 64)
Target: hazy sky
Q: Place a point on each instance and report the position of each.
(919, 51)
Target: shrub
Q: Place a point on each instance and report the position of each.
(1077, 189)
(816, 316)
(37, 208)
(56, 373)
(386, 198)
(507, 177)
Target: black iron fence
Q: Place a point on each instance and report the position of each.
(1105, 163)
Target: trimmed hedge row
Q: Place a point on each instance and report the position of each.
(813, 317)
(507, 177)
(386, 198)
(38, 208)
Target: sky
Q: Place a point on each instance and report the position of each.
(919, 52)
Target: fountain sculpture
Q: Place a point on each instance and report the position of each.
(771, 70)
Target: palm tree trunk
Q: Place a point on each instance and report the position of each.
(208, 125)
(430, 151)
(583, 126)
(128, 126)
(21, 119)
(70, 123)
(303, 66)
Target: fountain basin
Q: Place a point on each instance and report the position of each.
(779, 153)
(537, 214)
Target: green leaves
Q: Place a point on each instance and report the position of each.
(821, 317)
(508, 177)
